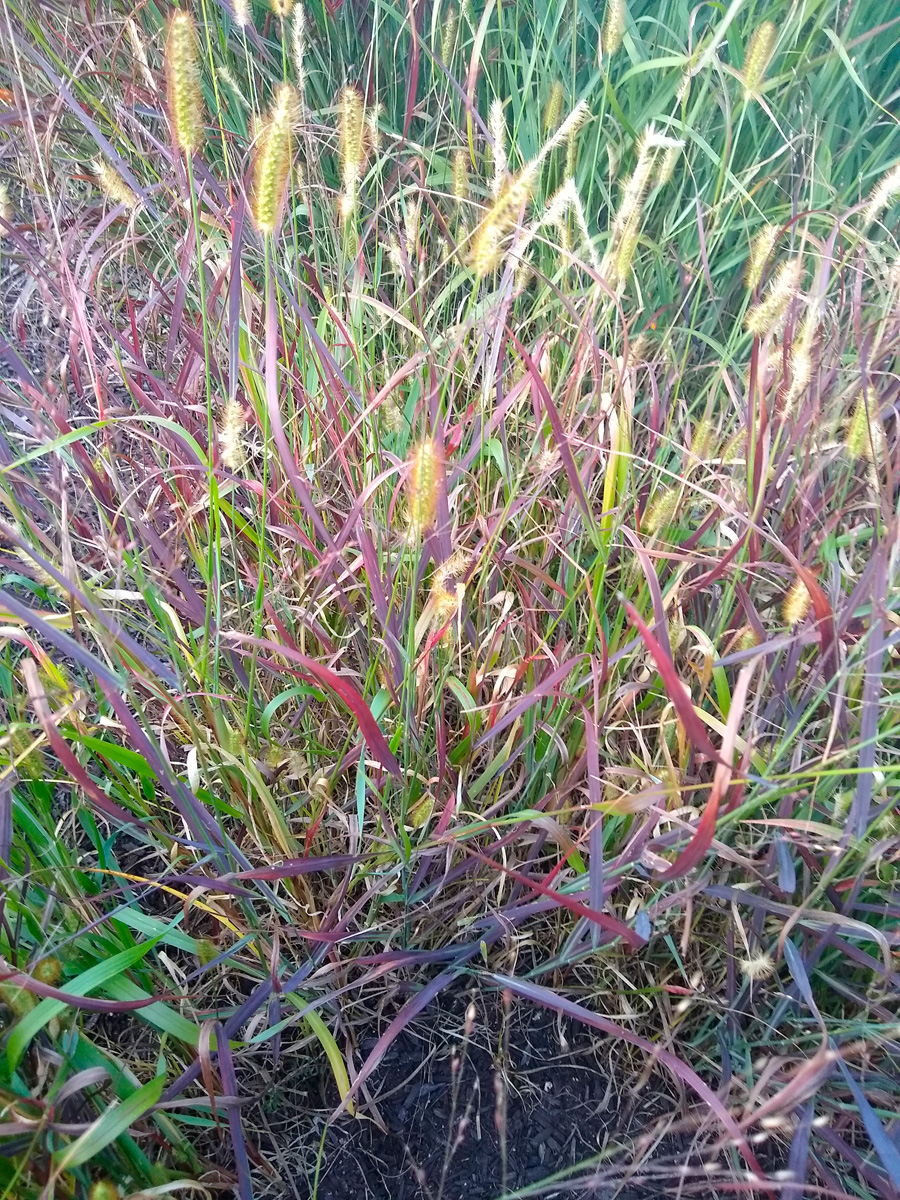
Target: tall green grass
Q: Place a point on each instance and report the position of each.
(423, 552)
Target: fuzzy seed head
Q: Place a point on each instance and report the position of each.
(183, 83)
(233, 86)
(619, 266)
(768, 316)
(273, 159)
(554, 107)
(444, 604)
(887, 189)
(636, 188)
(703, 439)
(111, 182)
(448, 34)
(298, 43)
(759, 967)
(104, 1189)
(796, 604)
(140, 53)
(351, 123)
(497, 126)
(759, 55)
(661, 510)
(613, 26)
(23, 754)
(392, 415)
(747, 638)
(16, 998)
(460, 176)
(452, 570)
(282, 8)
(499, 220)
(48, 970)
(571, 156)
(666, 168)
(565, 203)
(760, 252)
(422, 485)
(231, 436)
(865, 437)
(240, 10)
(802, 354)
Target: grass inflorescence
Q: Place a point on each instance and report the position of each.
(448, 540)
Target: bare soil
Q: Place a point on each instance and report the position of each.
(547, 1096)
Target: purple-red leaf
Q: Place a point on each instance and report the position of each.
(345, 691)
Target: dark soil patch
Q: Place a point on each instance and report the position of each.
(444, 1105)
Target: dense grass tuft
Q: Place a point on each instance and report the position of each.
(448, 500)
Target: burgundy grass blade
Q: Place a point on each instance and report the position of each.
(407, 1013)
(659, 611)
(235, 1125)
(682, 703)
(88, 1003)
(67, 646)
(291, 868)
(276, 426)
(559, 433)
(545, 688)
(314, 672)
(607, 922)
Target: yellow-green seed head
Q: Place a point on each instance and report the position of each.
(207, 950)
(667, 164)
(760, 251)
(499, 220)
(553, 109)
(104, 1189)
(460, 175)
(351, 131)
(768, 316)
(28, 760)
(16, 998)
(273, 160)
(183, 83)
(626, 245)
(703, 439)
(796, 604)
(48, 970)
(661, 510)
(759, 55)
(448, 34)
(282, 8)
(747, 638)
(885, 191)
(113, 184)
(613, 26)
(865, 437)
(231, 436)
(422, 485)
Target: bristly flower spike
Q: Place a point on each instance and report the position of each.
(273, 161)
(183, 83)
(759, 55)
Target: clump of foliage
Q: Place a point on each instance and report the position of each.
(448, 481)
